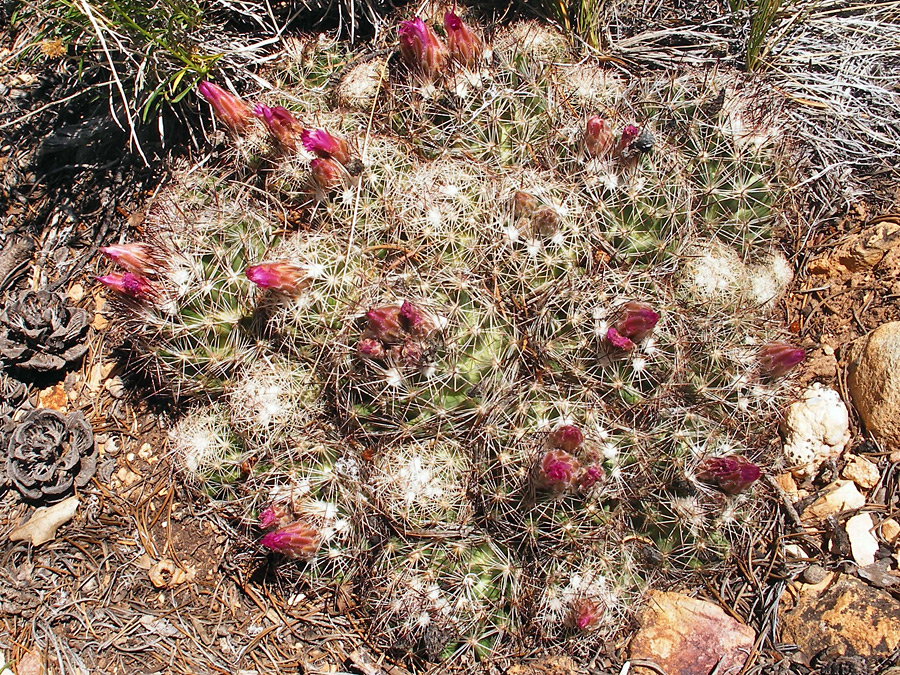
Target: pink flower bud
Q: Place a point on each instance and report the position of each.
(598, 137)
(323, 144)
(629, 133)
(777, 358)
(586, 614)
(558, 469)
(298, 540)
(637, 322)
(370, 348)
(568, 437)
(408, 353)
(281, 123)
(132, 285)
(421, 48)
(283, 277)
(465, 46)
(231, 110)
(589, 476)
(385, 325)
(327, 174)
(732, 474)
(412, 320)
(271, 517)
(137, 258)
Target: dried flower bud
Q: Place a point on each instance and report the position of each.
(272, 516)
(298, 540)
(629, 133)
(323, 144)
(413, 320)
(558, 469)
(637, 322)
(385, 325)
(408, 353)
(283, 277)
(589, 476)
(586, 614)
(465, 46)
(598, 137)
(421, 48)
(567, 437)
(732, 474)
(132, 285)
(777, 358)
(281, 123)
(327, 174)
(370, 348)
(545, 221)
(137, 258)
(524, 204)
(231, 110)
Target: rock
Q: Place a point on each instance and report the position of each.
(872, 245)
(840, 495)
(863, 543)
(45, 521)
(814, 574)
(787, 483)
(879, 574)
(890, 530)
(873, 375)
(848, 618)
(816, 428)
(546, 665)
(862, 472)
(689, 636)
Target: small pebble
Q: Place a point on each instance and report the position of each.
(814, 574)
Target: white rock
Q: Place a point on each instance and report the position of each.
(873, 375)
(816, 428)
(862, 472)
(841, 495)
(863, 544)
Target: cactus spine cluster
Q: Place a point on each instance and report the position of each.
(454, 310)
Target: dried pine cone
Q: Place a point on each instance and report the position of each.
(12, 392)
(48, 453)
(42, 331)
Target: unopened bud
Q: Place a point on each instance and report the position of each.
(281, 123)
(298, 540)
(137, 258)
(323, 144)
(567, 437)
(132, 285)
(732, 474)
(283, 277)
(777, 358)
(327, 174)
(231, 110)
(637, 322)
(465, 46)
(598, 137)
(421, 48)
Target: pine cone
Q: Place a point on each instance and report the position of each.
(42, 331)
(48, 453)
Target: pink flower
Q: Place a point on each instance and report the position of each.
(140, 259)
(629, 133)
(777, 358)
(557, 471)
(283, 277)
(385, 325)
(298, 540)
(231, 110)
(132, 285)
(327, 174)
(732, 474)
(598, 137)
(323, 144)
(281, 123)
(567, 437)
(590, 476)
(637, 322)
(465, 46)
(421, 48)
(587, 614)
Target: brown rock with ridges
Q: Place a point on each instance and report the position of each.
(689, 636)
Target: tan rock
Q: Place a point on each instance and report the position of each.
(787, 483)
(546, 665)
(890, 530)
(873, 376)
(841, 495)
(862, 472)
(863, 544)
(872, 245)
(689, 636)
(54, 397)
(848, 618)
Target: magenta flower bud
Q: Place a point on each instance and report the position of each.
(598, 137)
(283, 277)
(281, 123)
(732, 474)
(421, 48)
(327, 174)
(370, 348)
(637, 322)
(586, 614)
(558, 469)
(386, 325)
(323, 144)
(465, 46)
(298, 540)
(777, 358)
(568, 437)
(629, 133)
(231, 110)
(137, 258)
(590, 476)
(132, 285)
(412, 320)
(271, 516)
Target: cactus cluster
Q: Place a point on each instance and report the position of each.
(453, 316)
